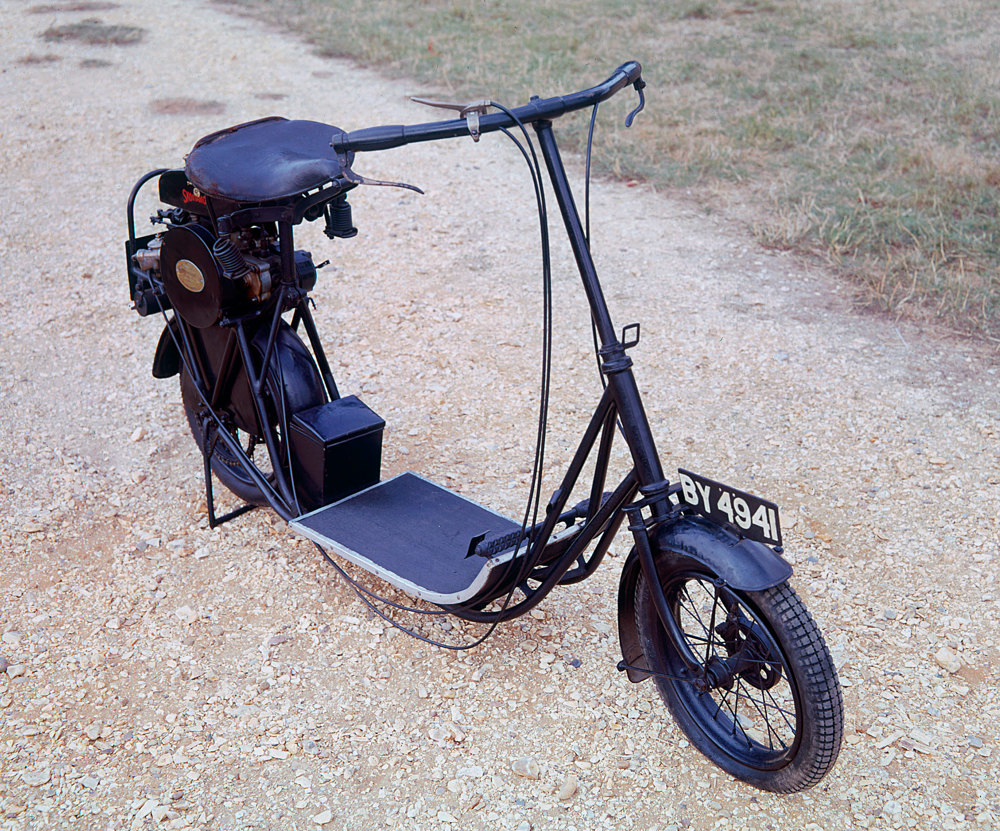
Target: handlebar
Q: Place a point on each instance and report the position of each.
(538, 109)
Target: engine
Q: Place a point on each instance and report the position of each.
(206, 277)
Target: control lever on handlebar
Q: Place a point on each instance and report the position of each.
(357, 179)
(639, 86)
(470, 112)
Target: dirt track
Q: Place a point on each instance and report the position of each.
(158, 674)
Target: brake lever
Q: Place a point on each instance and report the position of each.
(639, 86)
(470, 112)
(357, 179)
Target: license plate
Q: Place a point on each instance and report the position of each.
(752, 517)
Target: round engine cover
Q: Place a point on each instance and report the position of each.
(191, 277)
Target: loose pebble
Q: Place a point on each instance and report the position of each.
(568, 787)
(186, 614)
(947, 660)
(526, 766)
(36, 778)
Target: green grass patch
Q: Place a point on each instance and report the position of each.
(865, 133)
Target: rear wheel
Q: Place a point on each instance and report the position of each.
(225, 465)
(292, 384)
(767, 707)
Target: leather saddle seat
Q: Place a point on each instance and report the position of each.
(264, 160)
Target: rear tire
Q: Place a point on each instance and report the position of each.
(292, 384)
(774, 715)
(226, 467)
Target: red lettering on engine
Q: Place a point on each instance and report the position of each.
(193, 197)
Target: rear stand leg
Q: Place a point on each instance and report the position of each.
(213, 520)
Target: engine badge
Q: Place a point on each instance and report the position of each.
(190, 276)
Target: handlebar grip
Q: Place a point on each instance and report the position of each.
(383, 137)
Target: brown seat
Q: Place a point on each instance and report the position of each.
(264, 160)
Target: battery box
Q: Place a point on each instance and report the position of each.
(336, 450)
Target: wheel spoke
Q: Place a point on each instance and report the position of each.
(691, 607)
(784, 713)
(732, 709)
(770, 730)
(711, 623)
(722, 700)
(735, 710)
(693, 611)
(736, 718)
(698, 639)
(773, 706)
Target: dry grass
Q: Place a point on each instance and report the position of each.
(868, 134)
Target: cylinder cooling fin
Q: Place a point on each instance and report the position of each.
(229, 258)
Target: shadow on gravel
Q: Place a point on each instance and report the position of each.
(55, 8)
(186, 106)
(94, 32)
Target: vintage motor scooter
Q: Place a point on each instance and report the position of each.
(705, 609)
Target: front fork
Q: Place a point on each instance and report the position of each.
(641, 530)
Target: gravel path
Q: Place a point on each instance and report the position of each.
(161, 675)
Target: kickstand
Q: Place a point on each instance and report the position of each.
(213, 520)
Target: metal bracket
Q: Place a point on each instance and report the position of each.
(626, 343)
(470, 112)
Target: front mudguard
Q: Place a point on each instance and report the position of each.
(741, 564)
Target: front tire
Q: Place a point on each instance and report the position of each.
(773, 713)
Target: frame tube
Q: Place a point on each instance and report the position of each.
(616, 365)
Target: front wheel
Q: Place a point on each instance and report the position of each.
(767, 706)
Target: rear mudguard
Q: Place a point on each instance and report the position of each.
(290, 362)
(741, 564)
(167, 360)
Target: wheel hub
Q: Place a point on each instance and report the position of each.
(751, 656)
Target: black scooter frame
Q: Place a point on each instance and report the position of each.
(669, 537)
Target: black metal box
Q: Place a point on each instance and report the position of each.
(336, 451)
